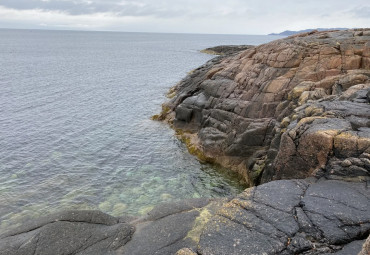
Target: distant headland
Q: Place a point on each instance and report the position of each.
(289, 32)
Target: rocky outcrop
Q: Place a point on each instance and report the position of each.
(226, 49)
(282, 217)
(329, 137)
(292, 108)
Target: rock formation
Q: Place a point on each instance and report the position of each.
(282, 217)
(291, 217)
(226, 49)
(292, 108)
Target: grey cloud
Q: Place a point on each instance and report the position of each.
(158, 8)
(76, 7)
(218, 16)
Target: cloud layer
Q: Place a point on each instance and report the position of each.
(189, 16)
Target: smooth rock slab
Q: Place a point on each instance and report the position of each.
(71, 232)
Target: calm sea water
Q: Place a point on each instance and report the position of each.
(75, 128)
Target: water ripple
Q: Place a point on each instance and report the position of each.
(75, 128)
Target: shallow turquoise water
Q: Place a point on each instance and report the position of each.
(75, 126)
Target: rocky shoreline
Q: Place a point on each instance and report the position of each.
(292, 108)
(281, 217)
(292, 117)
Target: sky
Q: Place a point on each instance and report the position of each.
(184, 16)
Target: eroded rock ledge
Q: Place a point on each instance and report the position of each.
(292, 108)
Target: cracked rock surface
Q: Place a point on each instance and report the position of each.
(280, 217)
(291, 217)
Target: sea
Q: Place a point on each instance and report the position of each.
(76, 129)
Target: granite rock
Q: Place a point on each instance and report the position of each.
(291, 108)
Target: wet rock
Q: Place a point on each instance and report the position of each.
(166, 209)
(170, 227)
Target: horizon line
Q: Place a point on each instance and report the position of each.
(118, 31)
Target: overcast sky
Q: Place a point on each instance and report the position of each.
(185, 16)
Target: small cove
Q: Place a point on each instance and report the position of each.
(75, 126)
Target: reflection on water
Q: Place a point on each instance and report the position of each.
(74, 122)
